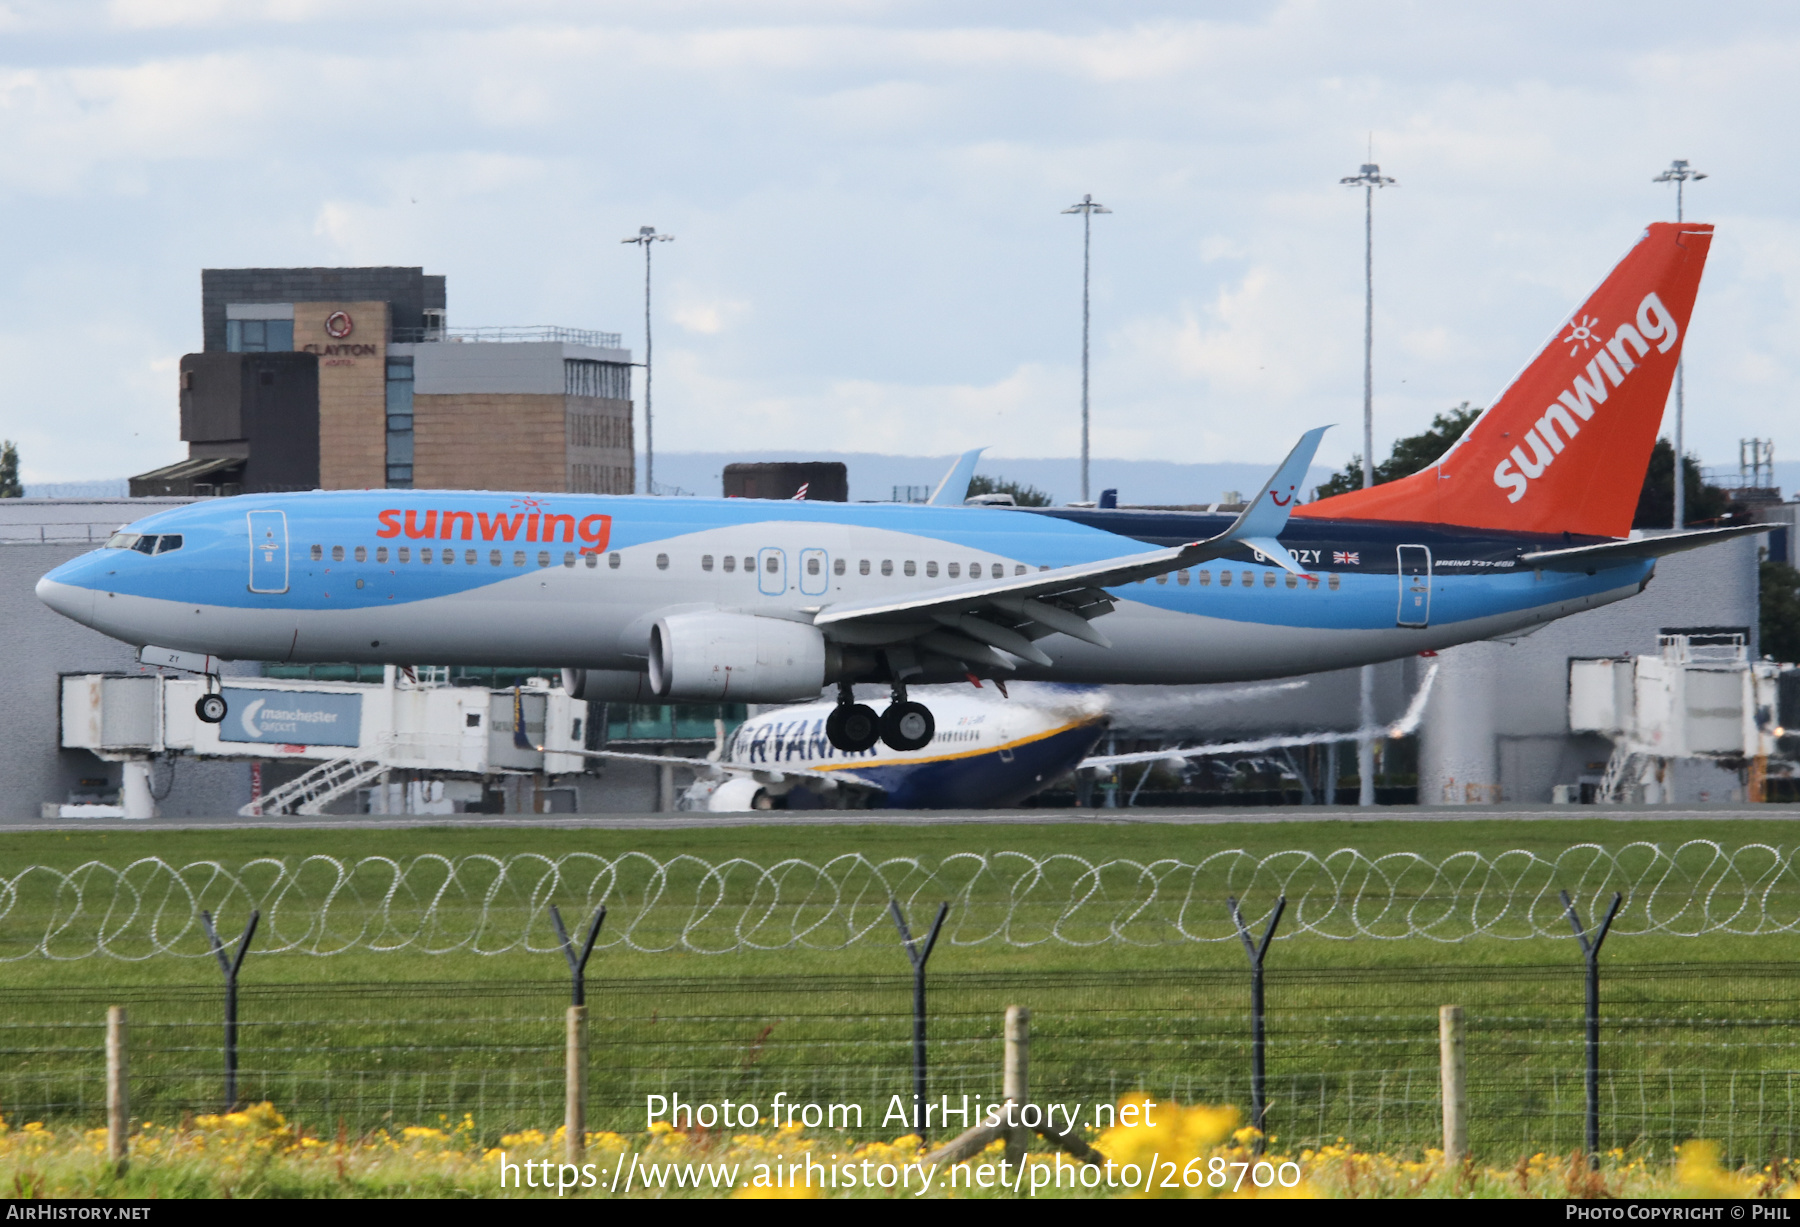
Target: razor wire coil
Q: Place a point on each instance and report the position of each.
(489, 905)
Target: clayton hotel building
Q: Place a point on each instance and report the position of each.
(351, 378)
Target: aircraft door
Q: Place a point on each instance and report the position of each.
(815, 572)
(1415, 586)
(771, 571)
(268, 551)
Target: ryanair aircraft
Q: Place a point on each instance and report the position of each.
(1527, 519)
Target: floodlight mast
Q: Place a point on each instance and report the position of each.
(1087, 207)
(1679, 173)
(645, 236)
(1369, 177)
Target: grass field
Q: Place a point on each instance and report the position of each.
(1702, 1033)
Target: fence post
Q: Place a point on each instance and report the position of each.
(1015, 1084)
(1453, 1069)
(118, 1090)
(918, 956)
(230, 965)
(1259, 1102)
(1590, 947)
(575, 1086)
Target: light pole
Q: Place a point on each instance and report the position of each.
(1679, 173)
(645, 236)
(1087, 208)
(1368, 178)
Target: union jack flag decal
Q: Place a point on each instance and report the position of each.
(1347, 558)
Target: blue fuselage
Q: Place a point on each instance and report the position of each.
(453, 577)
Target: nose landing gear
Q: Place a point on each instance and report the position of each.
(211, 707)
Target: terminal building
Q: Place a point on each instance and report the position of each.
(351, 378)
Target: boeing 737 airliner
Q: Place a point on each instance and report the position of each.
(1525, 520)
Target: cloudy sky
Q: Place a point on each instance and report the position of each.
(867, 196)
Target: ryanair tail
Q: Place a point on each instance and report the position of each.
(1566, 446)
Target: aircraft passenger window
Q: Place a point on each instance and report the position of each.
(772, 565)
(812, 566)
(731, 562)
(362, 553)
(749, 564)
(519, 558)
(1224, 578)
(318, 553)
(337, 553)
(381, 553)
(405, 553)
(837, 567)
(568, 558)
(931, 570)
(1293, 581)
(1205, 578)
(450, 556)
(953, 569)
(1181, 577)
(974, 570)
(887, 566)
(1334, 581)
(1312, 581)
(1268, 579)
(493, 558)
(1249, 579)
(1163, 578)
(612, 560)
(544, 558)
(662, 562)
(593, 560)
(862, 568)
(425, 553)
(911, 567)
(706, 562)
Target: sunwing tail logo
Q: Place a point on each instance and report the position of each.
(1586, 395)
(1596, 390)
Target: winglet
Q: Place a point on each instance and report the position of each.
(955, 487)
(1259, 524)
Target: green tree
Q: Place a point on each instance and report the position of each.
(1410, 454)
(1023, 495)
(9, 471)
(1656, 503)
(1779, 612)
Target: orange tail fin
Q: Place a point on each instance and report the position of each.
(1566, 446)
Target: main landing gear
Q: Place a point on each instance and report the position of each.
(855, 728)
(211, 707)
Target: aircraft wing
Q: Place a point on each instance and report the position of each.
(1403, 727)
(968, 622)
(1651, 545)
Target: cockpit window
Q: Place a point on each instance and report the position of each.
(145, 543)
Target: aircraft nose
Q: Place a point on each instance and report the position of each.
(61, 592)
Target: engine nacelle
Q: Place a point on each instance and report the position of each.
(608, 686)
(700, 657)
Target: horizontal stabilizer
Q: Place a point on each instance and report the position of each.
(1651, 545)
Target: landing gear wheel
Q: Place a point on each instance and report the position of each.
(211, 708)
(853, 728)
(907, 726)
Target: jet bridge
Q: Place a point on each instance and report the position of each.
(357, 734)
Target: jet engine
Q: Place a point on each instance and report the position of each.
(607, 686)
(701, 657)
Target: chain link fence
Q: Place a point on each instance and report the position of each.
(1688, 1050)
